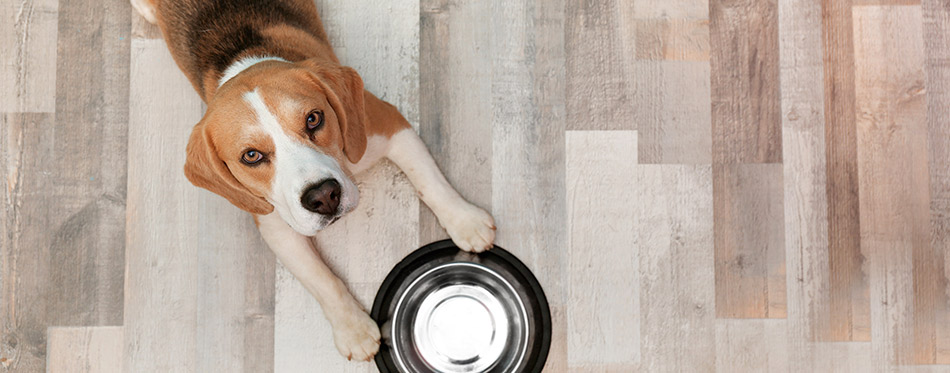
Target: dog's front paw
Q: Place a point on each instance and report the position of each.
(471, 228)
(356, 336)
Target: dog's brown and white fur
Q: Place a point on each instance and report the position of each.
(284, 118)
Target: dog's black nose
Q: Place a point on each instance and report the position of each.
(322, 198)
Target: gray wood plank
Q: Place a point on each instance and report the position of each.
(936, 36)
(677, 299)
(804, 178)
(24, 252)
(528, 122)
(161, 286)
(598, 46)
(28, 63)
(455, 54)
(602, 249)
(673, 114)
(90, 161)
(85, 349)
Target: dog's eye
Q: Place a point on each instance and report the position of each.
(314, 120)
(251, 157)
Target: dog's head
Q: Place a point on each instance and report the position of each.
(276, 137)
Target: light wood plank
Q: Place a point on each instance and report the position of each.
(85, 349)
(894, 178)
(528, 185)
(455, 55)
(751, 346)
(843, 357)
(677, 300)
(746, 109)
(673, 115)
(849, 291)
(161, 286)
(749, 241)
(936, 22)
(28, 63)
(804, 178)
(672, 9)
(362, 247)
(602, 248)
(598, 45)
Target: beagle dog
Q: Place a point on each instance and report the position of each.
(286, 129)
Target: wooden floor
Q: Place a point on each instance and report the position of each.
(700, 185)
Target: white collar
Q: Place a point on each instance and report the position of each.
(243, 64)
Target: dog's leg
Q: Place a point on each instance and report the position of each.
(355, 334)
(146, 8)
(471, 228)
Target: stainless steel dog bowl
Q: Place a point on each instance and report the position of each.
(445, 310)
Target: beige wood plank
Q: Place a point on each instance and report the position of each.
(455, 87)
(842, 357)
(746, 109)
(936, 39)
(85, 349)
(602, 248)
(749, 241)
(849, 298)
(673, 115)
(751, 346)
(894, 178)
(677, 300)
(671, 9)
(598, 41)
(804, 178)
(28, 63)
(528, 190)
(161, 292)
(673, 39)
(362, 247)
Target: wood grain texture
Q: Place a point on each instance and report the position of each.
(85, 349)
(454, 87)
(92, 111)
(602, 248)
(598, 43)
(528, 123)
(675, 232)
(362, 247)
(673, 39)
(25, 249)
(749, 241)
(673, 112)
(936, 21)
(849, 298)
(804, 177)
(161, 292)
(751, 346)
(894, 177)
(28, 62)
(746, 107)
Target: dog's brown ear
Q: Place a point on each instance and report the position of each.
(205, 169)
(344, 89)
